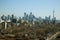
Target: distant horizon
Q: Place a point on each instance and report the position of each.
(28, 15)
(40, 8)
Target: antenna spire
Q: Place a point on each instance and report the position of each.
(53, 13)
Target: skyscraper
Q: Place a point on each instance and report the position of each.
(54, 18)
(25, 16)
(31, 17)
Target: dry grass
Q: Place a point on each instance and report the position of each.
(34, 31)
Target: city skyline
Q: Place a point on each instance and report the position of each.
(37, 7)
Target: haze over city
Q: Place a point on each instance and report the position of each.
(37, 7)
(29, 19)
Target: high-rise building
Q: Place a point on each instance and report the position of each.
(54, 18)
(53, 13)
(12, 16)
(8, 17)
(3, 17)
(25, 16)
(31, 17)
(40, 20)
(49, 20)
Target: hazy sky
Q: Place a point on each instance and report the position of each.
(37, 7)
